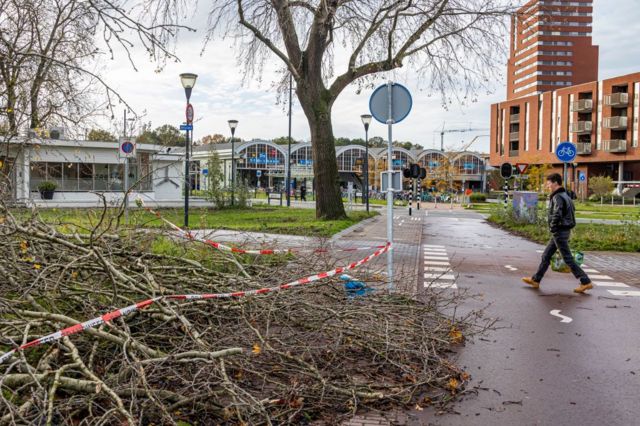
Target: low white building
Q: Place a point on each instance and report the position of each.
(81, 170)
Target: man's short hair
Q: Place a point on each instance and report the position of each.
(555, 178)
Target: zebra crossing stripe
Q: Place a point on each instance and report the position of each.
(600, 277)
(439, 276)
(624, 293)
(432, 246)
(440, 285)
(609, 284)
(436, 269)
(432, 262)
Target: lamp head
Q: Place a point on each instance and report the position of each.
(188, 80)
(366, 120)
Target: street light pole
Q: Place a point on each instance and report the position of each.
(366, 120)
(126, 171)
(289, 143)
(188, 80)
(232, 125)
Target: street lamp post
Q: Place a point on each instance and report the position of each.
(232, 125)
(366, 120)
(289, 144)
(188, 80)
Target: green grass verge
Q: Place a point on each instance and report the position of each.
(585, 237)
(278, 220)
(583, 210)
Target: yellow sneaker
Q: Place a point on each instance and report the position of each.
(582, 288)
(531, 282)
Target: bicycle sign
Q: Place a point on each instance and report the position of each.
(566, 152)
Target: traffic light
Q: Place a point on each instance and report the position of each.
(423, 173)
(406, 173)
(415, 171)
(506, 170)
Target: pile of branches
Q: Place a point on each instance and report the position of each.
(296, 356)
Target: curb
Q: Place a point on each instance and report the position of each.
(352, 228)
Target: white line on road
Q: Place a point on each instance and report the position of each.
(439, 250)
(432, 246)
(431, 262)
(539, 251)
(436, 269)
(511, 268)
(440, 276)
(440, 285)
(624, 293)
(591, 271)
(609, 284)
(600, 277)
(428, 257)
(556, 313)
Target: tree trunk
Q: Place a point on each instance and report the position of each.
(317, 108)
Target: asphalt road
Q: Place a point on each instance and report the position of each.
(579, 367)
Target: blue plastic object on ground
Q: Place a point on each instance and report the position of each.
(353, 287)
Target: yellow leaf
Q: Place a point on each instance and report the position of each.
(24, 246)
(256, 349)
(453, 384)
(74, 274)
(456, 335)
(465, 376)
(419, 408)
(37, 266)
(1, 218)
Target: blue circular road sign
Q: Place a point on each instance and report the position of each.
(401, 103)
(566, 152)
(127, 147)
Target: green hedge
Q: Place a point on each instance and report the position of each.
(477, 197)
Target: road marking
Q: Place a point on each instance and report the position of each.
(432, 246)
(434, 251)
(431, 262)
(436, 269)
(624, 293)
(600, 277)
(440, 250)
(591, 271)
(440, 285)
(539, 251)
(565, 319)
(511, 268)
(429, 257)
(440, 276)
(609, 284)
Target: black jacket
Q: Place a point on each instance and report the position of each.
(562, 214)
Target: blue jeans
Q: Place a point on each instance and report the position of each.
(560, 241)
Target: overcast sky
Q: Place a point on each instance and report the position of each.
(220, 94)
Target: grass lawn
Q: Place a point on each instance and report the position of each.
(583, 210)
(585, 237)
(278, 220)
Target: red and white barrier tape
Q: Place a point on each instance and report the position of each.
(141, 305)
(223, 247)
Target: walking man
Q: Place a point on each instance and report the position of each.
(562, 219)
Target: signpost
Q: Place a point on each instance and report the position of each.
(566, 152)
(390, 104)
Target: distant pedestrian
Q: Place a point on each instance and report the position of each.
(303, 192)
(562, 219)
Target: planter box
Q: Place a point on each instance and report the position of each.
(47, 195)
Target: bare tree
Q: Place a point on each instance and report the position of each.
(453, 43)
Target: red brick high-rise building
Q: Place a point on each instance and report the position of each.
(554, 96)
(550, 47)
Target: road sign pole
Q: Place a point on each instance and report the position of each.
(126, 174)
(390, 189)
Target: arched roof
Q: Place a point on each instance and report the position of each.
(430, 151)
(464, 153)
(261, 142)
(343, 149)
(299, 146)
(383, 153)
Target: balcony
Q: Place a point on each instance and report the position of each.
(581, 127)
(617, 100)
(615, 123)
(514, 118)
(583, 105)
(514, 152)
(514, 136)
(583, 148)
(614, 145)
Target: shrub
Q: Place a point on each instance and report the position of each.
(601, 185)
(478, 198)
(47, 185)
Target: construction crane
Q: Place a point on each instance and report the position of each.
(443, 131)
